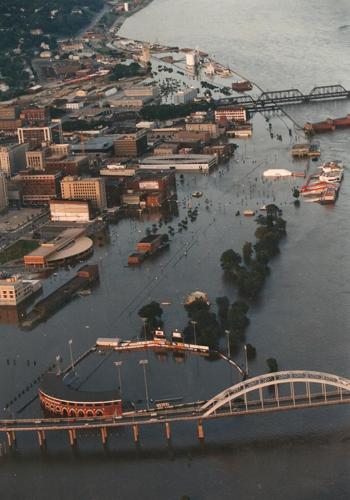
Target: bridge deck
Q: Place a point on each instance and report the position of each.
(191, 412)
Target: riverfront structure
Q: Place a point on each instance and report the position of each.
(69, 245)
(59, 399)
(203, 163)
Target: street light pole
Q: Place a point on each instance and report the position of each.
(194, 330)
(70, 342)
(118, 364)
(144, 362)
(246, 361)
(228, 343)
(144, 320)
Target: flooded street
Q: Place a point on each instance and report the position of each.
(301, 319)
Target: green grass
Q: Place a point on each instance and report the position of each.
(18, 250)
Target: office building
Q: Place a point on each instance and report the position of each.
(229, 113)
(9, 112)
(213, 129)
(186, 96)
(94, 190)
(36, 136)
(38, 188)
(4, 202)
(13, 158)
(35, 115)
(131, 145)
(14, 290)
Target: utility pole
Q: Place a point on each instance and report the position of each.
(70, 342)
(194, 323)
(118, 364)
(246, 361)
(228, 343)
(144, 363)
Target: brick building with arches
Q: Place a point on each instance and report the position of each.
(61, 400)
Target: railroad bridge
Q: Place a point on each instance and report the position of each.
(273, 99)
(272, 392)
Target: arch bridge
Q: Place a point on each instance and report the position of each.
(279, 391)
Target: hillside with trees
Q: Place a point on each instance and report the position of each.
(25, 26)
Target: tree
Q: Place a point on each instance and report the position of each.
(237, 319)
(272, 365)
(296, 193)
(151, 311)
(247, 252)
(223, 304)
(230, 260)
(125, 71)
(196, 307)
(251, 351)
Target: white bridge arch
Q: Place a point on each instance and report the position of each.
(260, 382)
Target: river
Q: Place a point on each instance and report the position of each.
(301, 319)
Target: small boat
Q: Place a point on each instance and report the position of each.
(315, 188)
(197, 194)
(84, 293)
(329, 197)
(277, 173)
(331, 166)
(249, 213)
(332, 177)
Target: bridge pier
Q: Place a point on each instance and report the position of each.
(41, 439)
(104, 435)
(136, 433)
(72, 434)
(200, 430)
(11, 438)
(167, 431)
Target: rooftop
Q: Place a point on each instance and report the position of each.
(54, 385)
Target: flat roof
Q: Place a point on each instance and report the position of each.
(149, 238)
(77, 247)
(180, 158)
(52, 385)
(47, 249)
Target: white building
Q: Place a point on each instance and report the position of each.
(74, 105)
(4, 201)
(14, 290)
(185, 96)
(191, 58)
(188, 162)
(70, 211)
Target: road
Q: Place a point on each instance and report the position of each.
(186, 412)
